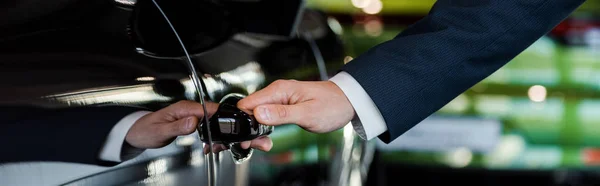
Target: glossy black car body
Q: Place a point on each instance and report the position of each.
(83, 54)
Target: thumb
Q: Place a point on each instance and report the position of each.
(180, 127)
(274, 114)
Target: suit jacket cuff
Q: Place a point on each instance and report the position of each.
(368, 122)
(115, 149)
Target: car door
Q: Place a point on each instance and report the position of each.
(100, 61)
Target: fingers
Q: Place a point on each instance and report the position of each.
(180, 127)
(216, 148)
(187, 108)
(281, 114)
(263, 143)
(246, 144)
(278, 92)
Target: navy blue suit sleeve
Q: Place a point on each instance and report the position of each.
(458, 44)
(63, 135)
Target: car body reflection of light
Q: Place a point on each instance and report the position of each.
(355, 178)
(126, 2)
(248, 77)
(163, 179)
(196, 158)
(186, 140)
(145, 78)
(125, 94)
(157, 167)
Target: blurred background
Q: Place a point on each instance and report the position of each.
(537, 119)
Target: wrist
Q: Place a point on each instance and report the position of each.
(113, 149)
(135, 134)
(367, 118)
(343, 101)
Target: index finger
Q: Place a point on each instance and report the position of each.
(188, 108)
(277, 92)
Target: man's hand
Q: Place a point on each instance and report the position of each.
(317, 106)
(160, 128)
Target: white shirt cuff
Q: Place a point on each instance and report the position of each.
(369, 122)
(114, 149)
